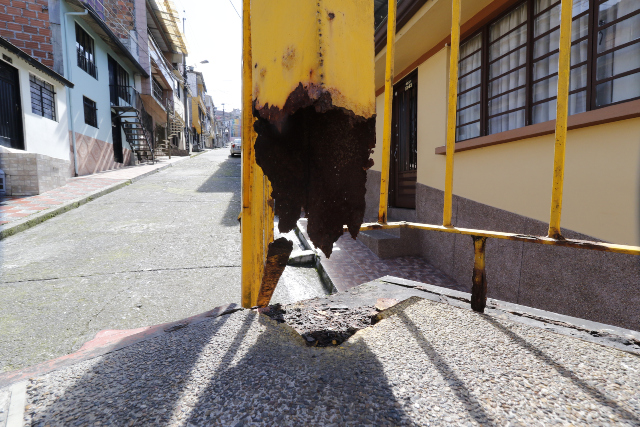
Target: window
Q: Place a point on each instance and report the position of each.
(90, 112)
(85, 51)
(508, 71)
(157, 89)
(43, 98)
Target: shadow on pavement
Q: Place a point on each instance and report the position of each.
(226, 179)
(233, 370)
(565, 372)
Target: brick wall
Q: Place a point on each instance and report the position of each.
(25, 23)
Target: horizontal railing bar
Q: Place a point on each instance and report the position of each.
(567, 243)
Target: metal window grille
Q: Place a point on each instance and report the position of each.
(3, 187)
(85, 52)
(43, 98)
(90, 112)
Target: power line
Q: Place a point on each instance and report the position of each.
(234, 8)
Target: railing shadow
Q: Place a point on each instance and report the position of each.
(224, 373)
(565, 372)
(471, 405)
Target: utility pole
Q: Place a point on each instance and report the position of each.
(187, 138)
(224, 125)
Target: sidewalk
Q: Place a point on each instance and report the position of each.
(429, 361)
(352, 263)
(18, 213)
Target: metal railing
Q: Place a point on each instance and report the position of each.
(157, 90)
(86, 64)
(257, 208)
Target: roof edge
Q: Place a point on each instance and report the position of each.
(34, 62)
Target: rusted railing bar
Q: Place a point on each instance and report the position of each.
(479, 278)
(568, 243)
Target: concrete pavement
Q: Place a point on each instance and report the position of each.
(162, 249)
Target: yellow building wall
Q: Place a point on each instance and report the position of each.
(194, 114)
(602, 175)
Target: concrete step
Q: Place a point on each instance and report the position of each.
(391, 243)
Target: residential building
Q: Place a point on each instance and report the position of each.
(198, 88)
(34, 125)
(505, 146)
(163, 92)
(103, 50)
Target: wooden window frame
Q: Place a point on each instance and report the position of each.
(591, 62)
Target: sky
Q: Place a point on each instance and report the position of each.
(214, 33)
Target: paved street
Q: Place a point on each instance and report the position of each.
(162, 249)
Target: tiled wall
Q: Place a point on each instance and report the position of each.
(96, 156)
(28, 174)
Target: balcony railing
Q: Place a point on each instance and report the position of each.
(86, 64)
(157, 90)
(122, 96)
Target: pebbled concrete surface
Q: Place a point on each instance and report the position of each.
(162, 249)
(426, 363)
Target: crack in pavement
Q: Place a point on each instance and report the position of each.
(121, 272)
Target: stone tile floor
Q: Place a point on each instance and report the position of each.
(13, 208)
(352, 263)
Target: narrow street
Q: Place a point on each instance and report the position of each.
(162, 249)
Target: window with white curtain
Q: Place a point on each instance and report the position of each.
(508, 70)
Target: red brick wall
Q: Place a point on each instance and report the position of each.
(120, 17)
(25, 23)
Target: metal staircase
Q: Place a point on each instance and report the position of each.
(175, 125)
(136, 122)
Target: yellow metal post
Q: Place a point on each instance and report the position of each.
(258, 252)
(562, 111)
(451, 113)
(249, 264)
(388, 105)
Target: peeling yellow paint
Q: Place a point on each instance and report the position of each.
(320, 43)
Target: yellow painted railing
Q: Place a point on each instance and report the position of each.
(257, 212)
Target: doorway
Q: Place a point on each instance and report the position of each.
(10, 108)
(404, 143)
(116, 131)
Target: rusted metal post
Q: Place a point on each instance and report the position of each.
(479, 290)
(562, 112)
(250, 266)
(388, 105)
(451, 113)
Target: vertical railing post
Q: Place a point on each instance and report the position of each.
(388, 105)
(452, 106)
(562, 112)
(479, 289)
(249, 262)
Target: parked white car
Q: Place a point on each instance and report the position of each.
(236, 146)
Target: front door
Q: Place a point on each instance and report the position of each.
(116, 130)
(404, 144)
(10, 109)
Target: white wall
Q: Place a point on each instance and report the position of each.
(42, 135)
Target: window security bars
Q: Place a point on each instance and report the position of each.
(509, 69)
(43, 100)
(85, 52)
(90, 112)
(157, 90)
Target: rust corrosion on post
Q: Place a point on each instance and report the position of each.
(479, 278)
(277, 258)
(314, 101)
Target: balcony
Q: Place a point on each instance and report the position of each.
(157, 91)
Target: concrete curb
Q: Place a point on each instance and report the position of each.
(16, 227)
(17, 402)
(109, 341)
(327, 283)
